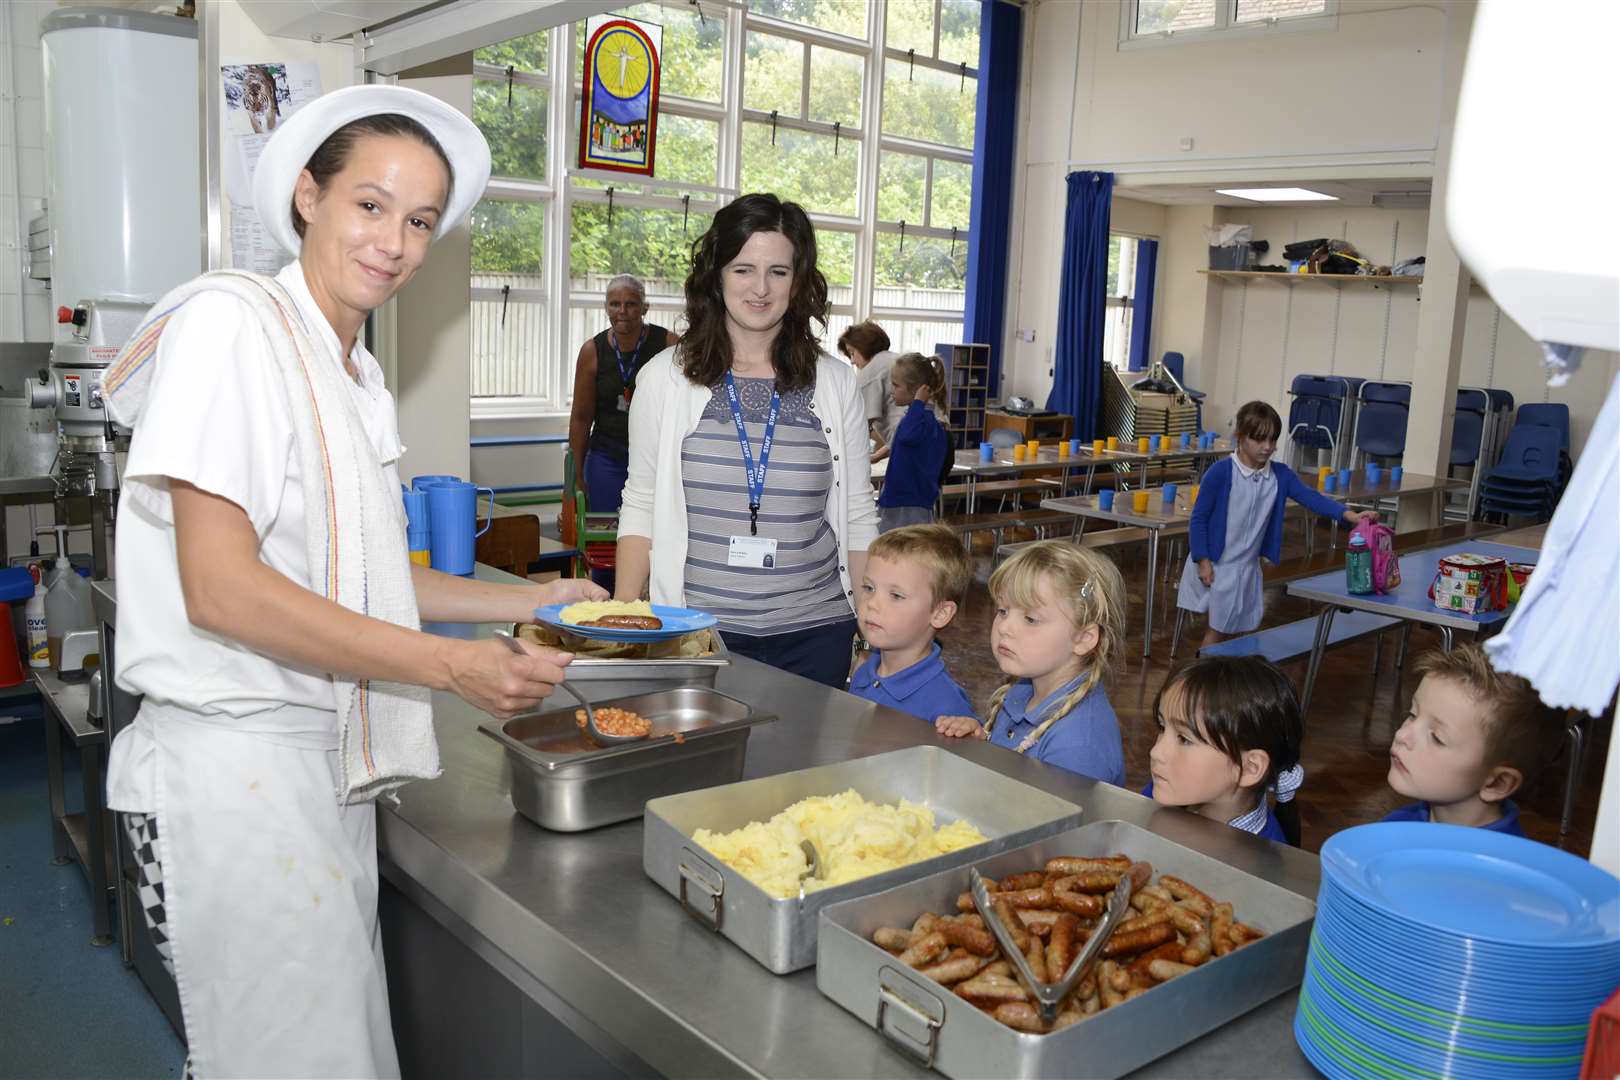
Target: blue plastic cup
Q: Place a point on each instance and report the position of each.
(1330, 483)
(1395, 476)
(422, 483)
(987, 451)
(1344, 479)
(1105, 498)
(1154, 443)
(1169, 494)
(1374, 474)
(453, 524)
(1186, 439)
(1074, 447)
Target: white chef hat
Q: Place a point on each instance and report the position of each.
(298, 137)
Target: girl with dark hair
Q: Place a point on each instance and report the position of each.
(1238, 520)
(749, 492)
(1229, 732)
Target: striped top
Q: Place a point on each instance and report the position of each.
(802, 590)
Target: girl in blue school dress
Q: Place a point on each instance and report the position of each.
(1238, 520)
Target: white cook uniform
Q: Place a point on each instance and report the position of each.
(270, 885)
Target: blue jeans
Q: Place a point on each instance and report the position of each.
(821, 654)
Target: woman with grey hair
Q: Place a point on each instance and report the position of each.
(604, 382)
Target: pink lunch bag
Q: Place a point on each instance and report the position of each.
(1386, 565)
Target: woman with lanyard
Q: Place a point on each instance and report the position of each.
(749, 494)
(267, 608)
(599, 424)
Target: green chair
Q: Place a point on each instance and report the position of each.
(594, 536)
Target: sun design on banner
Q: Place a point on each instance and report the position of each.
(618, 121)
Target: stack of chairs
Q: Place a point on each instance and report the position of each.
(1470, 429)
(1381, 414)
(1529, 478)
(1321, 418)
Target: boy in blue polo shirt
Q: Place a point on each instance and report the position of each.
(915, 577)
(1471, 738)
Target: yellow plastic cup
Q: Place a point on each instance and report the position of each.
(1034, 447)
(1192, 496)
(1097, 445)
(1113, 442)
(1142, 445)
(1321, 477)
(1063, 450)
(1139, 501)
(1019, 452)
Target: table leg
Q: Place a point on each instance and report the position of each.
(62, 852)
(1091, 473)
(1152, 579)
(972, 483)
(1445, 638)
(1324, 626)
(95, 829)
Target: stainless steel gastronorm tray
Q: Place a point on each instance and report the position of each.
(781, 933)
(563, 781)
(929, 1023)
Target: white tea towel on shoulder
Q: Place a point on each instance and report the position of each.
(1563, 635)
(355, 526)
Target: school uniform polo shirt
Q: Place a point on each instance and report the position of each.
(1508, 823)
(1086, 741)
(925, 689)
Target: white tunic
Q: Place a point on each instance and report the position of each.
(1236, 602)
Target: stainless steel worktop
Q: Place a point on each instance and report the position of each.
(572, 920)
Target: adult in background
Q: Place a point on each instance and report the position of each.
(268, 613)
(750, 493)
(604, 383)
(867, 346)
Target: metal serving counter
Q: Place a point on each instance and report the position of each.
(513, 950)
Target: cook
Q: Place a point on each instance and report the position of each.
(267, 609)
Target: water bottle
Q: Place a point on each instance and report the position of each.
(1358, 576)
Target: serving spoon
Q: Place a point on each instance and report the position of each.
(601, 737)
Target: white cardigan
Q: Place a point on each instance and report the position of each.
(666, 409)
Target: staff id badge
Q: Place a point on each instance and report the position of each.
(758, 552)
(624, 402)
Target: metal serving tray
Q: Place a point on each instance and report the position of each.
(929, 1023)
(781, 934)
(641, 668)
(563, 781)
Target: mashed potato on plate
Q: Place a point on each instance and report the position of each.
(854, 838)
(589, 610)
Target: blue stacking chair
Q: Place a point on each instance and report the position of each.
(1555, 416)
(1468, 424)
(1527, 480)
(1381, 416)
(1319, 415)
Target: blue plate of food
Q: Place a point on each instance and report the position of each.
(622, 620)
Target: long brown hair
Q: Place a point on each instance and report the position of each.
(915, 369)
(705, 352)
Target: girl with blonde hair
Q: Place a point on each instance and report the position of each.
(920, 447)
(1059, 624)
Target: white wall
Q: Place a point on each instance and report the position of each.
(25, 305)
(1269, 332)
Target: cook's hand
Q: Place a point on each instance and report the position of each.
(570, 591)
(960, 727)
(1356, 517)
(489, 676)
(1206, 573)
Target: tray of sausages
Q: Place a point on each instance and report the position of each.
(1202, 944)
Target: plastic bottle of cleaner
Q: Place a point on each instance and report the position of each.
(1358, 566)
(39, 655)
(68, 604)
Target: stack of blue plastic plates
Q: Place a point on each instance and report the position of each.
(1442, 951)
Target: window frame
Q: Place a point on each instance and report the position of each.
(1226, 27)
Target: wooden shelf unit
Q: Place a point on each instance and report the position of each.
(1280, 278)
(967, 391)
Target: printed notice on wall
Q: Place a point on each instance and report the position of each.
(257, 98)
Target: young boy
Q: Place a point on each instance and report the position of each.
(915, 577)
(1471, 738)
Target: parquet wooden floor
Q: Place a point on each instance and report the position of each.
(1347, 734)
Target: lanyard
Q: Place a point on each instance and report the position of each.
(627, 371)
(756, 479)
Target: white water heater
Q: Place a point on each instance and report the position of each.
(122, 166)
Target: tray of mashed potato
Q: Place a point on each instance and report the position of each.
(732, 855)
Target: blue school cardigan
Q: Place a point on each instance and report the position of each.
(918, 455)
(1206, 533)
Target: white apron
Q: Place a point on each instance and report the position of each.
(270, 894)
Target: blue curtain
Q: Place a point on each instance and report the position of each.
(1077, 374)
(1000, 44)
(1147, 258)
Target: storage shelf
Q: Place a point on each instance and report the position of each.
(1314, 279)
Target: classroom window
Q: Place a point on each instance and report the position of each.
(816, 171)
(1159, 22)
(1120, 303)
(846, 17)
(693, 53)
